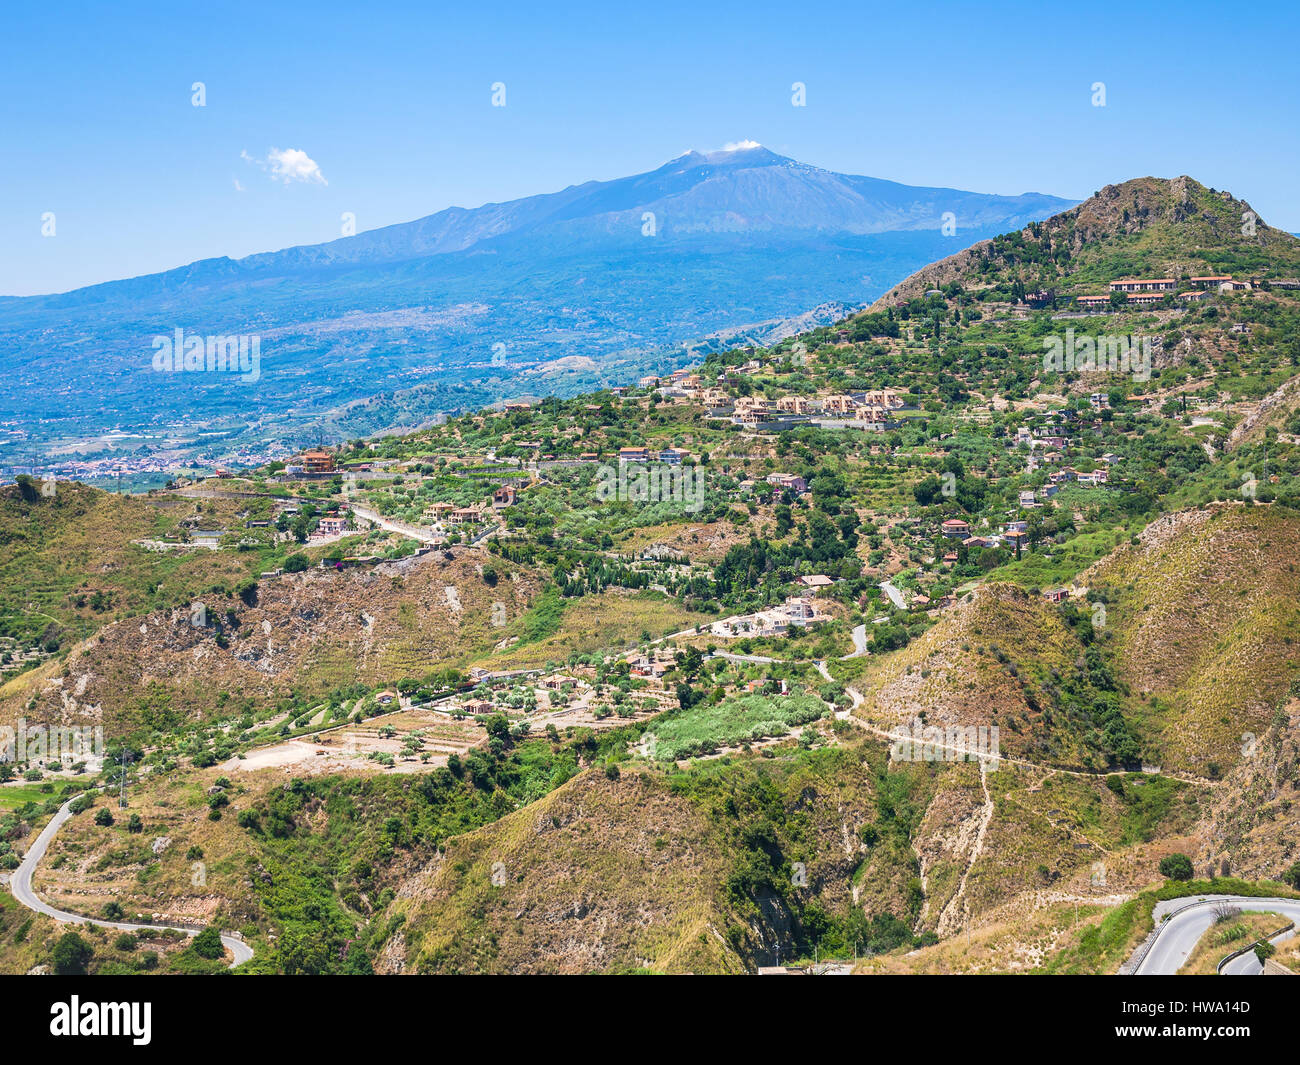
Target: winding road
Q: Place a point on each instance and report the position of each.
(424, 536)
(859, 642)
(1179, 935)
(21, 886)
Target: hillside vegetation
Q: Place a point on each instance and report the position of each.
(624, 682)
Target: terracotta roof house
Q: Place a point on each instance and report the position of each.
(317, 460)
(1147, 284)
(788, 480)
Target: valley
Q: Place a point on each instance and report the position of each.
(891, 643)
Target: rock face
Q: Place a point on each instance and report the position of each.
(1254, 821)
(386, 621)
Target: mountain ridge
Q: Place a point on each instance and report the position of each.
(1127, 221)
(454, 228)
(623, 273)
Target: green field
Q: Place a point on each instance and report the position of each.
(13, 796)
(703, 729)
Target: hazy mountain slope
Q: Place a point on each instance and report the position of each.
(745, 189)
(449, 311)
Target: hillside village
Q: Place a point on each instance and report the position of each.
(691, 615)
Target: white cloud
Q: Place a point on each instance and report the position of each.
(238, 186)
(291, 164)
(739, 146)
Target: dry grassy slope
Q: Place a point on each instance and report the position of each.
(598, 875)
(81, 538)
(1276, 410)
(612, 875)
(26, 938)
(314, 631)
(1039, 841)
(1014, 945)
(953, 675)
(610, 621)
(631, 873)
(1206, 621)
(1255, 822)
(89, 865)
(946, 843)
(1184, 226)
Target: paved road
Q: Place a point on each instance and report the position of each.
(1180, 934)
(425, 536)
(493, 531)
(21, 886)
(859, 642)
(744, 658)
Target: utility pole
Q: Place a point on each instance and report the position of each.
(126, 758)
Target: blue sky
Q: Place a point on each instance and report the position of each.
(392, 103)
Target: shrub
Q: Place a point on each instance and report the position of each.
(1176, 867)
(71, 955)
(207, 944)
